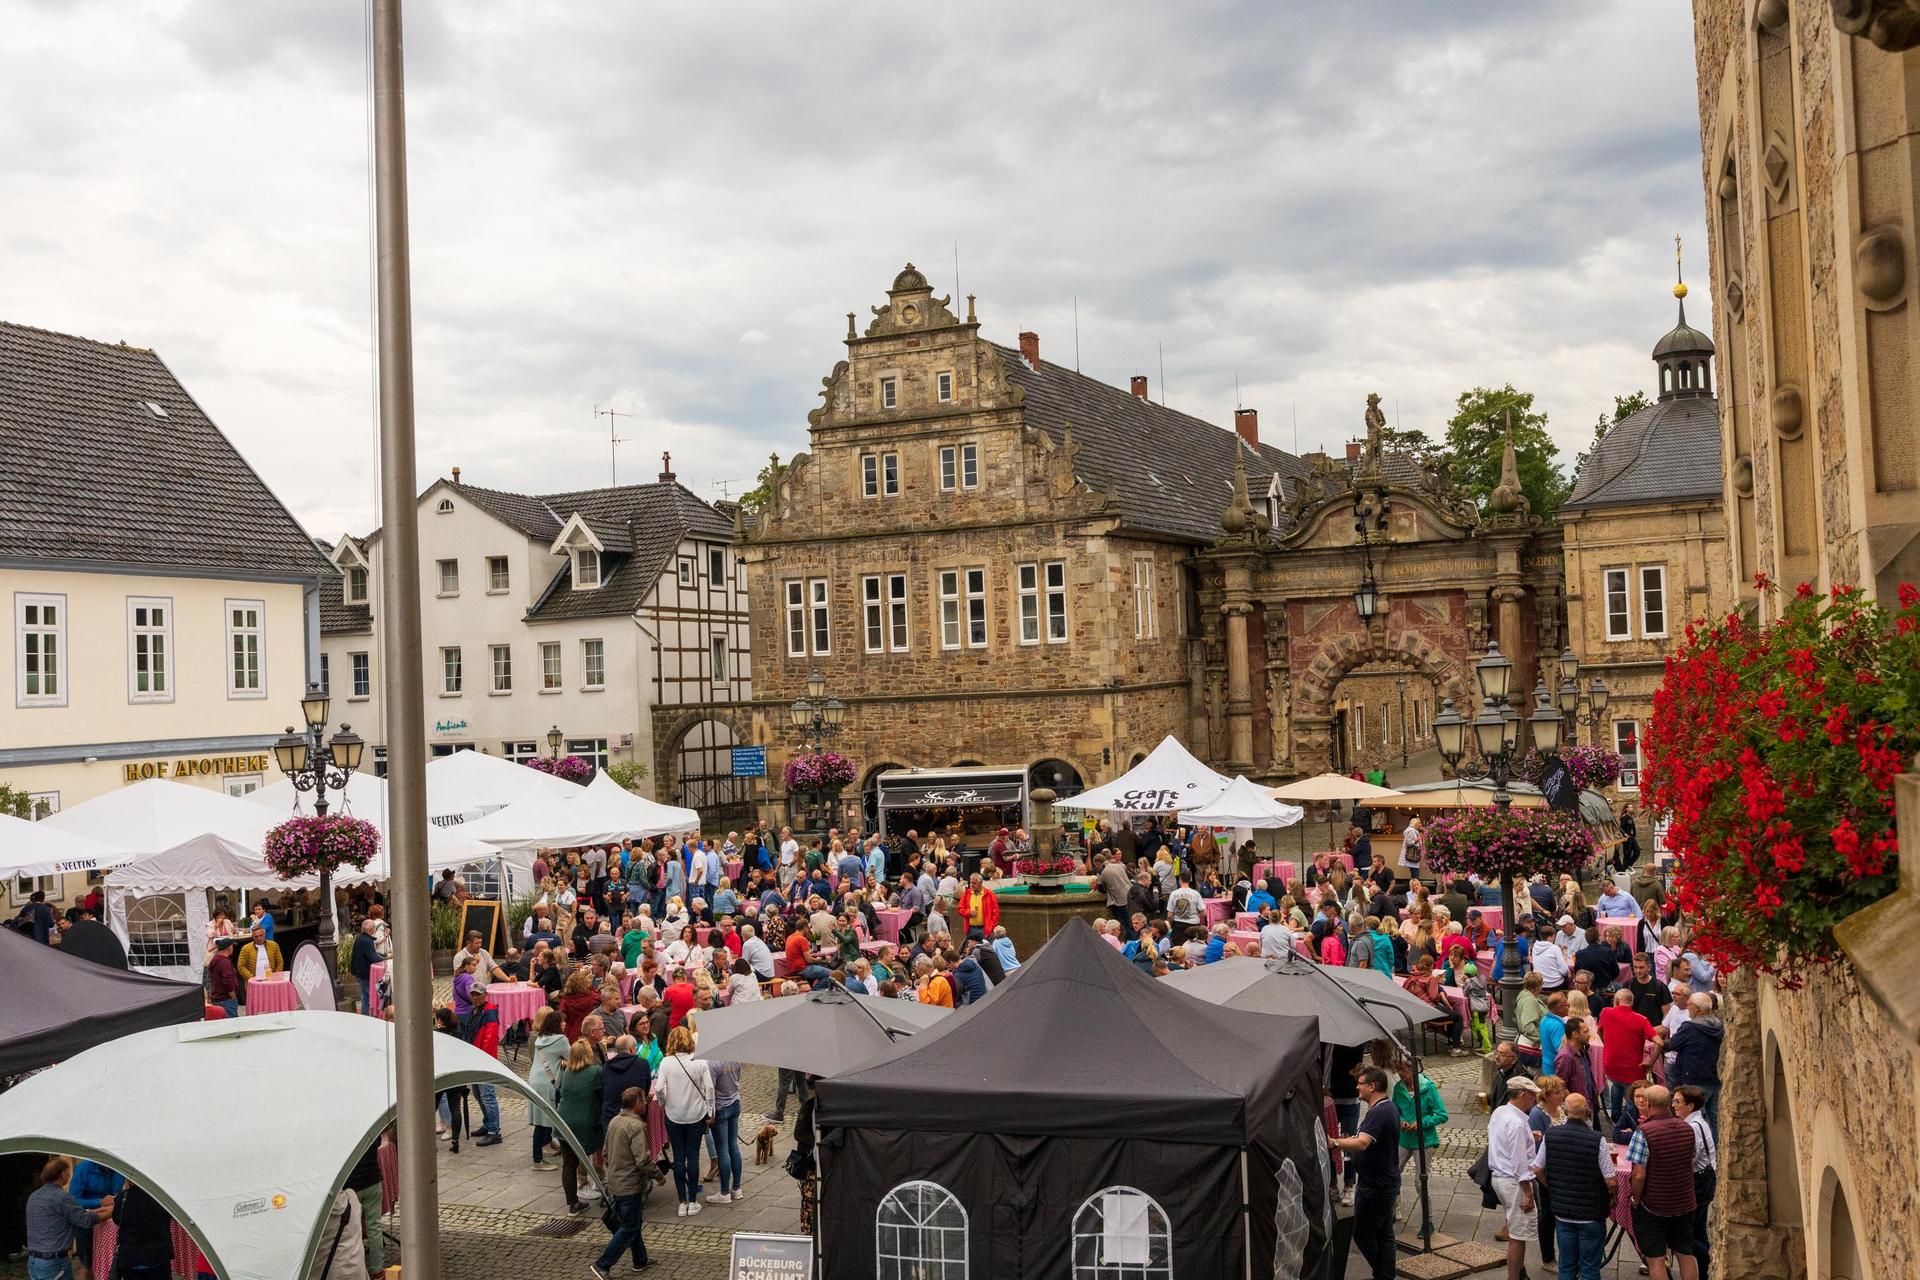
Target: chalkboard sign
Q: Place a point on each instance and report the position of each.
(484, 917)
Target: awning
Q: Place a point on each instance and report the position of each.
(958, 794)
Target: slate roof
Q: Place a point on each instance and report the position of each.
(1173, 472)
(640, 525)
(529, 514)
(89, 473)
(337, 617)
(1667, 452)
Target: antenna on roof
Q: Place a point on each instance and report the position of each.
(614, 440)
(1076, 333)
(1163, 369)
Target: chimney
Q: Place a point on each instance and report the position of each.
(1247, 423)
(1030, 348)
(1139, 387)
(666, 468)
(1353, 450)
(456, 475)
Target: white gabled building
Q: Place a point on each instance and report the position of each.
(618, 616)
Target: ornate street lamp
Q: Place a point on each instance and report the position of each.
(818, 718)
(314, 763)
(1496, 741)
(554, 739)
(1569, 699)
(1366, 598)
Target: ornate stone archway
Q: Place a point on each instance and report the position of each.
(679, 777)
(1314, 688)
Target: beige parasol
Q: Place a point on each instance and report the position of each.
(1324, 789)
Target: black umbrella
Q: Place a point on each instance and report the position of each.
(823, 1033)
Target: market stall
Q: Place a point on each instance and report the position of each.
(969, 804)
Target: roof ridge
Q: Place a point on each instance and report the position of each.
(122, 345)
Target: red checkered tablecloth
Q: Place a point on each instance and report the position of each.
(272, 994)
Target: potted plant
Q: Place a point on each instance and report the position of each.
(443, 934)
(1043, 874)
(575, 769)
(1772, 753)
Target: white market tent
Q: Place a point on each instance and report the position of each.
(260, 1217)
(157, 814)
(41, 849)
(365, 797)
(1243, 805)
(466, 784)
(1167, 781)
(601, 813)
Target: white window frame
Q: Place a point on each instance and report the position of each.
(1616, 588)
(869, 475)
(889, 475)
(452, 672)
(1059, 625)
(157, 640)
(499, 575)
(326, 674)
(910, 1246)
(240, 785)
(873, 614)
(42, 804)
(592, 750)
(1146, 620)
(359, 676)
(1359, 725)
(444, 507)
(586, 569)
(943, 386)
(449, 577)
(685, 573)
(593, 663)
(157, 934)
(890, 393)
(500, 668)
(899, 633)
(949, 468)
(717, 568)
(1629, 760)
(717, 655)
(519, 752)
(1152, 1259)
(969, 466)
(1652, 628)
(237, 635)
(978, 629)
(796, 594)
(1027, 585)
(356, 588)
(948, 593)
(820, 615)
(553, 673)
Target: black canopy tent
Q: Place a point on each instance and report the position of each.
(1009, 1128)
(52, 1006)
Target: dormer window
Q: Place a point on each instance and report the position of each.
(356, 585)
(445, 508)
(586, 567)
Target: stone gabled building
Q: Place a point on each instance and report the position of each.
(987, 556)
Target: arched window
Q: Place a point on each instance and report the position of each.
(445, 507)
(1122, 1234)
(920, 1233)
(157, 932)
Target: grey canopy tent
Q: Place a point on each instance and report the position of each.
(1082, 1115)
(53, 1006)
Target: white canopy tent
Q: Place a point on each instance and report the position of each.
(365, 797)
(1243, 805)
(41, 849)
(1167, 781)
(546, 821)
(260, 1217)
(466, 784)
(636, 815)
(157, 814)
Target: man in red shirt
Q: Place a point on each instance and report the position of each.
(679, 997)
(1624, 1034)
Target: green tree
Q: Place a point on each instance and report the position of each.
(1477, 434)
(627, 773)
(756, 498)
(1624, 407)
(14, 802)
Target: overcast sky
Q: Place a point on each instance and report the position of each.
(669, 210)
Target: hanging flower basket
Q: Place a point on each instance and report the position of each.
(567, 768)
(822, 771)
(1772, 752)
(308, 846)
(1589, 767)
(1492, 843)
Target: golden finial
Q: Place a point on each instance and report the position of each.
(1679, 281)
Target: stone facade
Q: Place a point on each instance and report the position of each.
(956, 573)
(1812, 179)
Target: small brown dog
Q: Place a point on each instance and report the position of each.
(763, 1143)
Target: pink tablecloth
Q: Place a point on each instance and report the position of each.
(1246, 921)
(1628, 925)
(516, 1001)
(374, 975)
(1217, 910)
(1455, 997)
(734, 868)
(1266, 870)
(890, 920)
(273, 994)
(1492, 915)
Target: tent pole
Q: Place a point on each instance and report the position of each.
(1246, 1215)
(400, 650)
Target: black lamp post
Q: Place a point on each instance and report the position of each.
(1496, 743)
(313, 763)
(554, 739)
(818, 718)
(1597, 697)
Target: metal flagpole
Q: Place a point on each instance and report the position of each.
(400, 650)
